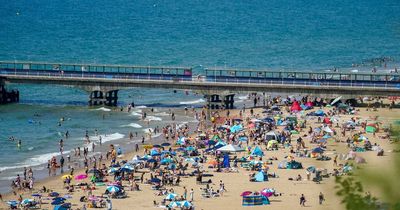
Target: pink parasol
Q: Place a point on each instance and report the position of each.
(267, 192)
(246, 193)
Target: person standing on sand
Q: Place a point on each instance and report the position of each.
(321, 198)
(191, 195)
(302, 200)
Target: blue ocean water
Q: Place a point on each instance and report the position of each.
(275, 34)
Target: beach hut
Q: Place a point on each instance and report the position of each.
(261, 177)
(257, 151)
(295, 107)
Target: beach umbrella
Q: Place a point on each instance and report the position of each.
(311, 169)
(246, 193)
(113, 189)
(190, 160)
(318, 150)
(155, 180)
(54, 194)
(67, 176)
(127, 168)
(145, 157)
(190, 148)
(171, 166)
(112, 170)
(186, 204)
(12, 202)
(80, 176)
(26, 201)
(166, 161)
(243, 138)
(151, 161)
(267, 192)
(57, 202)
(165, 144)
(174, 204)
(171, 196)
(64, 206)
(59, 198)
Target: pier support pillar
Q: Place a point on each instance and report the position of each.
(215, 101)
(7, 96)
(107, 98)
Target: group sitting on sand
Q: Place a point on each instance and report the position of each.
(288, 131)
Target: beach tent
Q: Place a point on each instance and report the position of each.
(236, 128)
(310, 104)
(225, 162)
(294, 165)
(370, 129)
(295, 107)
(231, 148)
(257, 151)
(181, 141)
(328, 130)
(272, 135)
(261, 177)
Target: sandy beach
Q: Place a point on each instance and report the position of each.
(287, 191)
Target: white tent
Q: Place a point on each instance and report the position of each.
(230, 148)
(328, 130)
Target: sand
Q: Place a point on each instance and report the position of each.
(236, 183)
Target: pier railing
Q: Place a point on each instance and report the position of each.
(212, 76)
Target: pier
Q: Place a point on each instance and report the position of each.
(104, 81)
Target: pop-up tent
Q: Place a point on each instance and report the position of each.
(328, 130)
(294, 165)
(257, 152)
(371, 128)
(261, 177)
(295, 107)
(231, 148)
(272, 135)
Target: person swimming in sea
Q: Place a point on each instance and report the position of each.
(19, 144)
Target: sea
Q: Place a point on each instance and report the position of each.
(271, 35)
